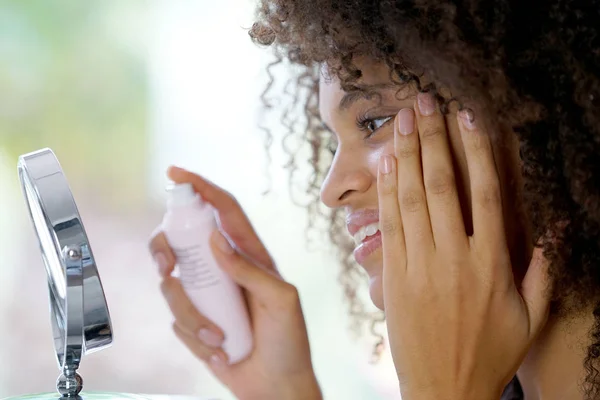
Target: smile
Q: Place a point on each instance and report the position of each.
(367, 247)
(363, 226)
(366, 232)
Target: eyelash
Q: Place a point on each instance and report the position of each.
(363, 124)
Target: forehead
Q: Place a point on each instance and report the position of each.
(330, 95)
(371, 74)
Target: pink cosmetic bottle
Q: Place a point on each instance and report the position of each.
(188, 224)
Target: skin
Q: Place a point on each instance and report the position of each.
(351, 183)
(454, 255)
(281, 350)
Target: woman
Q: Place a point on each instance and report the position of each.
(467, 134)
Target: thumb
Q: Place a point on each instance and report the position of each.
(535, 291)
(264, 285)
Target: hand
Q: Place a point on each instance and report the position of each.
(459, 327)
(279, 366)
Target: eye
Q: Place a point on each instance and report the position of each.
(371, 125)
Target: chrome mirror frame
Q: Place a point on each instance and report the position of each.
(79, 313)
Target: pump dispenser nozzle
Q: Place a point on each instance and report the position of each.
(181, 194)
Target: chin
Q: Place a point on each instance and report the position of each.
(376, 291)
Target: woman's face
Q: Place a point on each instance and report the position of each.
(364, 130)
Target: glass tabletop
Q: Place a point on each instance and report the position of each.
(105, 396)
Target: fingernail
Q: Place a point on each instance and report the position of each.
(406, 121)
(223, 244)
(385, 164)
(171, 169)
(161, 261)
(217, 361)
(175, 168)
(210, 338)
(468, 118)
(426, 104)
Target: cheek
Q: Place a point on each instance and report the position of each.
(376, 153)
(376, 291)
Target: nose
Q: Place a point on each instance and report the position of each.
(346, 179)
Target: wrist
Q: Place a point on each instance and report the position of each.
(298, 387)
(436, 393)
(448, 396)
(301, 388)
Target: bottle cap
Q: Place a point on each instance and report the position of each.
(181, 194)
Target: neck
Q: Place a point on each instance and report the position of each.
(553, 368)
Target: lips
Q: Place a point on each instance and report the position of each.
(366, 248)
(365, 231)
(358, 219)
(363, 226)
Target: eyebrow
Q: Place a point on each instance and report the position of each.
(363, 92)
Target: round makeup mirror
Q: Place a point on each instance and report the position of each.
(79, 313)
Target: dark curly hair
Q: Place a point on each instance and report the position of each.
(536, 65)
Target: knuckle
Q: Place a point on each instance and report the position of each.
(236, 267)
(201, 353)
(231, 198)
(390, 226)
(180, 332)
(488, 196)
(421, 285)
(412, 201)
(178, 301)
(195, 346)
(477, 143)
(190, 311)
(166, 288)
(192, 319)
(432, 133)
(441, 183)
(157, 240)
(388, 187)
(406, 152)
(289, 295)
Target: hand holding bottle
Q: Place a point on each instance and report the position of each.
(279, 365)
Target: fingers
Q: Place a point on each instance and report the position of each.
(447, 224)
(392, 233)
(486, 197)
(535, 290)
(233, 219)
(187, 316)
(264, 285)
(215, 357)
(390, 221)
(162, 253)
(411, 192)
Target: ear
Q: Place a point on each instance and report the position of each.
(535, 291)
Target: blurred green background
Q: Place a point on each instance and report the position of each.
(73, 75)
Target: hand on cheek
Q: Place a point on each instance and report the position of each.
(458, 326)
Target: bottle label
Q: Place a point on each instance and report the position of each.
(195, 271)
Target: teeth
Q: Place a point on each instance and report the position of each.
(372, 229)
(360, 236)
(365, 231)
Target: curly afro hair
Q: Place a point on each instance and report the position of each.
(537, 67)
